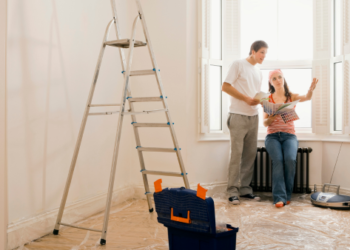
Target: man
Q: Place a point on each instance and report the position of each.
(243, 81)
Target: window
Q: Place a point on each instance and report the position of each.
(288, 35)
(290, 40)
(337, 69)
(215, 68)
(337, 28)
(283, 32)
(338, 97)
(298, 81)
(215, 94)
(306, 39)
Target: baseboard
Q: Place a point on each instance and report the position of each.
(28, 230)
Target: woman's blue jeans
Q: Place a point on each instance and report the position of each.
(282, 148)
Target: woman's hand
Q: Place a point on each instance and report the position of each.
(313, 84)
(270, 119)
(312, 88)
(308, 96)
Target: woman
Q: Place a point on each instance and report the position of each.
(281, 142)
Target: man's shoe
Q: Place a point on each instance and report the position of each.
(250, 196)
(288, 202)
(234, 200)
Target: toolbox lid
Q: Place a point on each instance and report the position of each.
(181, 208)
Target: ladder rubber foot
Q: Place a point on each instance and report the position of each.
(55, 232)
(103, 242)
(151, 210)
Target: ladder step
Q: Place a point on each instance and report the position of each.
(156, 149)
(124, 43)
(85, 228)
(145, 99)
(104, 105)
(145, 112)
(141, 72)
(149, 125)
(104, 113)
(162, 173)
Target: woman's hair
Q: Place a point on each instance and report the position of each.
(258, 45)
(287, 93)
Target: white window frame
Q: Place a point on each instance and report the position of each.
(230, 52)
(336, 59)
(290, 64)
(322, 68)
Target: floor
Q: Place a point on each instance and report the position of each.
(261, 226)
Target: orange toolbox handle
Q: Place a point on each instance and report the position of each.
(180, 219)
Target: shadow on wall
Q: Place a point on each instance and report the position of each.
(34, 104)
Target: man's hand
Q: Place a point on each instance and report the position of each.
(251, 102)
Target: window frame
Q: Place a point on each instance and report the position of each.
(322, 65)
(292, 64)
(333, 61)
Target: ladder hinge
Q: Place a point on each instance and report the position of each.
(140, 15)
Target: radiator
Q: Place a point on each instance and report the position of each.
(262, 178)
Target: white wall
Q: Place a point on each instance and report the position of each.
(3, 173)
(335, 164)
(52, 52)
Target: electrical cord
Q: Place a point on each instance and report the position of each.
(335, 164)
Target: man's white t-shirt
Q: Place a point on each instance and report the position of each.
(246, 78)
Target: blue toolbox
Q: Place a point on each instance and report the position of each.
(190, 219)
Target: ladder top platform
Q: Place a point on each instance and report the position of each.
(124, 43)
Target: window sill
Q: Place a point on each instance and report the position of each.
(302, 136)
(215, 136)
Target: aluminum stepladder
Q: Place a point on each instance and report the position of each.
(126, 96)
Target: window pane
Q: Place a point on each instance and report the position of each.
(289, 35)
(298, 81)
(215, 97)
(338, 97)
(295, 29)
(337, 27)
(215, 29)
(259, 22)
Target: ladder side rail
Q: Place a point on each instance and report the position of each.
(140, 154)
(118, 136)
(133, 117)
(117, 33)
(160, 86)
(141, 159)
(81, 131)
